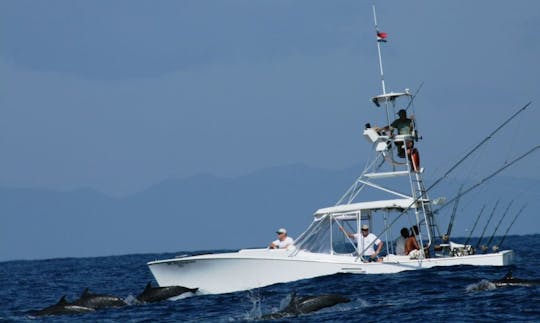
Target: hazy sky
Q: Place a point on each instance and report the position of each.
(119, 95)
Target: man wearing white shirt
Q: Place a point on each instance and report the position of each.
(364, 240)
(283, 241)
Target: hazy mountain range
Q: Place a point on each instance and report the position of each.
(206, 212)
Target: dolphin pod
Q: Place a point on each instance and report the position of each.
(509, 280)
(89, 302)
(306, 304)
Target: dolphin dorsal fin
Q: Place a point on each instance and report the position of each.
(508, 275)
(85, 292)
(62, 301)
(148, 286)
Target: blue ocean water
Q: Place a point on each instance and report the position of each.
(438, 294)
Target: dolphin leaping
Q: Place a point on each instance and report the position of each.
(157, 294)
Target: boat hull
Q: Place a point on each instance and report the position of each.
(248, 269)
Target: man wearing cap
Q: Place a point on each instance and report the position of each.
(283, 241)
(366, 240)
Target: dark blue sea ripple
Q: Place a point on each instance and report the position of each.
(439, 294)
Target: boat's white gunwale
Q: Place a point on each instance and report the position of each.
(338, 259)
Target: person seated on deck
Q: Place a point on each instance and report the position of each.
(283, 241)
(404, 126)
(364, 240)
(400, 242)
(412, 248)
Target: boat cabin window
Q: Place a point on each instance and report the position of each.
(316, 238)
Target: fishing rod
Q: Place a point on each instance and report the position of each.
(453, 216)
(512, 223)
(498, 224)
(474, 225)
(487, 224)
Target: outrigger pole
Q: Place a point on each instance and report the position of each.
(414, 96)
(485, 179)
(481, 143)
(383, 85)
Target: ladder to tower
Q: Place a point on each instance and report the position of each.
(422, 198)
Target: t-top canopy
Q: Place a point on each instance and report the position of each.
(396, 204)
(388, 97)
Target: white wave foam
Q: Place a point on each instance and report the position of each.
(131, 300)
(480, 286)
(181, 296)
(254, 296)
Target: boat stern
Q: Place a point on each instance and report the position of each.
(507, 257)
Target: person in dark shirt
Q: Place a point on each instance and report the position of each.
(404, 126)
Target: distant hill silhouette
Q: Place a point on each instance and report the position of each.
(206, 212)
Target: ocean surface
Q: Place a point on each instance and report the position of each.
(453, 294)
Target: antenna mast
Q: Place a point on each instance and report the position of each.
(381, 38)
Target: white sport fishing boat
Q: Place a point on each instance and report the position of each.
(323, 249)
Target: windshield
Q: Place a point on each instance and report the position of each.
(324, 236)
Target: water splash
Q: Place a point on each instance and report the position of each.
(480, 286)
(361, 302)
(131, 300)
(286, 301)
(254, 296)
